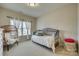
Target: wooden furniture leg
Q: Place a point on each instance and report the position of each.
(17, 42)
(7, 46)
(53, 48)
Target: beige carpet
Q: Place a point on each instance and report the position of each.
(28, 48)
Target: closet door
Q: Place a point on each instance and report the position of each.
(1, 42)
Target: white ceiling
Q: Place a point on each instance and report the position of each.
(35, 12)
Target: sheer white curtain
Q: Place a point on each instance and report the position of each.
(24, 27)
(28, 27)
(16, 23)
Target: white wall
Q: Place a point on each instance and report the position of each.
(78, 26)
(64, 19)
(78, 22)
(6, 21)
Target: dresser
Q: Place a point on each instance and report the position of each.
(1, 42)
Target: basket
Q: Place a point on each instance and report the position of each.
(70, 44)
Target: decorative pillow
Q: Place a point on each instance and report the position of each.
(36, 32)
(40, 34)
(43, 33)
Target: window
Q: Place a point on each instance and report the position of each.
(24, 27)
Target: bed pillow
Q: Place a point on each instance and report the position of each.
(37, 31)
(40, 34)
(49, 33)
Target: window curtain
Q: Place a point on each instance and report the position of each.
(24, 27)
(16, 23)
(28, 27)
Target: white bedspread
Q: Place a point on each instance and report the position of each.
(44, 40)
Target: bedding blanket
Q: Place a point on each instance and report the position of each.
(47, 41)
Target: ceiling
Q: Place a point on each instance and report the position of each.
(35, 12)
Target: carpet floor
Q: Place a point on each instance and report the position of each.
(29, 48)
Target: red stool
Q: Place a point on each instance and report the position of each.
(70, 44)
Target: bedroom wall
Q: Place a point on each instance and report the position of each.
(64, 19)
(78, 25)
(5, 21)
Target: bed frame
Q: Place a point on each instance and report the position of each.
(56, 38)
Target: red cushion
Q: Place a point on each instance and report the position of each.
(70, 40)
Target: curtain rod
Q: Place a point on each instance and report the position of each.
(14, 18)
(9, 17)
